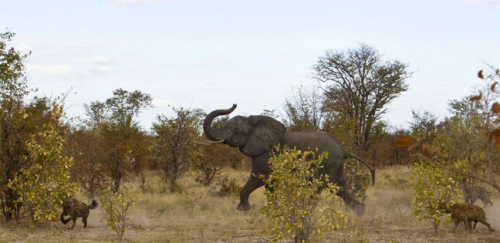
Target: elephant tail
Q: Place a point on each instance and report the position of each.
(372, 169)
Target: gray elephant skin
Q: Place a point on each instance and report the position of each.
(256, 136)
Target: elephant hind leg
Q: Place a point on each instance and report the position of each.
(252, 184)
(344, 193)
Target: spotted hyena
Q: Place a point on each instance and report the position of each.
(76, 209)
(471, 194)
(462, 212)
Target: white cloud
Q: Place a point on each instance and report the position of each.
(52, 70)
(69, 47)
(128, 3)
(68, 71)
(161, 103)
(100, 71)
(71, 59)
(64, 52)
(23, 48)
(99, 60)
(483, 3)
(90, 44)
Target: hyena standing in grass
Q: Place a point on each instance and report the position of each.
(472, 193)
(466, 213)
(76, 209)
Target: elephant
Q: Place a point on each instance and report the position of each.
(256, 137)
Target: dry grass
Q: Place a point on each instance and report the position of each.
(198, 215)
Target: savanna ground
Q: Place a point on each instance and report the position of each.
(199, 215)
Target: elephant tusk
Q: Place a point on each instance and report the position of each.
(216, 142)
(202, 143)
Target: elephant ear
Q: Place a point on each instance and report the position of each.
(266, 134)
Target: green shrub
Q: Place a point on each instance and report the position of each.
(433, 187)
(44, 178)
(295, 208)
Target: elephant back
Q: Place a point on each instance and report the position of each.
(312, 140)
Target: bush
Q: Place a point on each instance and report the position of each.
(228, 187)
(116, 207)
(44, 178)
(433, 187)
(294, 206)
(175, 187)
(206, 175)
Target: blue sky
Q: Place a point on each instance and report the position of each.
(211, 54)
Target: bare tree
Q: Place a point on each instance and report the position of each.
(303, 109)
(424, 126)
(359, 85)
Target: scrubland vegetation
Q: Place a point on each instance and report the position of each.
(177, 188)
(201, 215)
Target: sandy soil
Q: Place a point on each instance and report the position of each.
(55, 232)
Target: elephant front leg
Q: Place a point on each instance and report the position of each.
(252, 184)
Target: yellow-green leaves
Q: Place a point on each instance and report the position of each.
(432, 187)
(44, 178)
(116, 206)
(294, 207)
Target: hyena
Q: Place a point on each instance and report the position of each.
(76, 209)
(473, 193)
(468, 214)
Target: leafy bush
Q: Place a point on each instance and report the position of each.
(211, 159)
(434, 187)
(294, 206)
(44, 178)
(206, 174)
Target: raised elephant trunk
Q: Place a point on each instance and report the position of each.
(209, 131)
